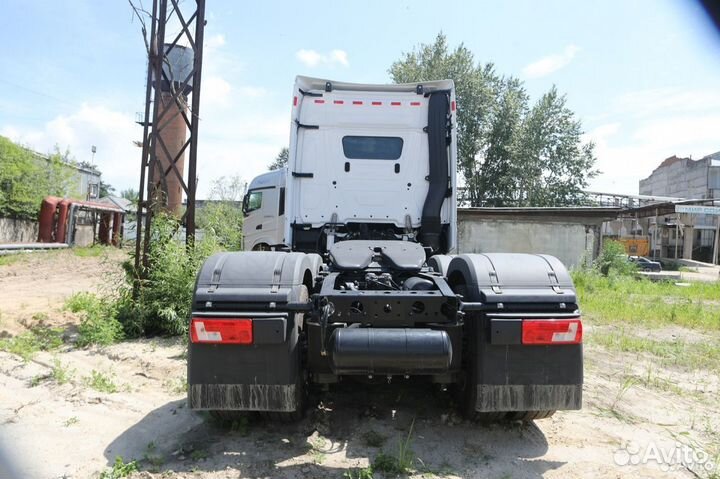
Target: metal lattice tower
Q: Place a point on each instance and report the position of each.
(174, 72)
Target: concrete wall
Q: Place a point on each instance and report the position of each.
(18, 231)
(570, 242)
(84, 235)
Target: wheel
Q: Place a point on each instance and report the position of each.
(261, 247)
(229, 416)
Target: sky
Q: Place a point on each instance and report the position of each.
(643, 77)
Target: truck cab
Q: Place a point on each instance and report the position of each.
(264, 210)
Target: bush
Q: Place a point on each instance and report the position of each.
(99, 324)
(613, 260)
(163, 301)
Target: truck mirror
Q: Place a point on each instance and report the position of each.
(245, 204)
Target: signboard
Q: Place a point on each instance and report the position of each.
(698, 210)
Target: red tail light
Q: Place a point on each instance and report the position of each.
(552, 331)
(222, 331)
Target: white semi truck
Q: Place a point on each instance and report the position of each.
(352, 269)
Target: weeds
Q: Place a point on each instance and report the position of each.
(401, 463)
(319, 444)
(198, 455)
(151, 456)
(99, 325)
(625, 299)
(70, 421)
(61, 374)
(364, 473)
(164, 296)
(119, 469)
(100, 382)
(88, 251)
(175, 386)
(27, 344)
(690, 355)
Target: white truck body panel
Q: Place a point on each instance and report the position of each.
(371, 192)
(321, 182)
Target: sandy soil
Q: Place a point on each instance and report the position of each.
(632, 404)
(40, 282)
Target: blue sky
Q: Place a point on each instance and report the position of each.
(642, 76)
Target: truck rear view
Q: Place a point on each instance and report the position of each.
(363, 277)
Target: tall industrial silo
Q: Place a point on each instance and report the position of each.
(172, 127)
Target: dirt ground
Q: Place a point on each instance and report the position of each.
(632, 405)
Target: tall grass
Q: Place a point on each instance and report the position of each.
(630, 300)
(165, 288)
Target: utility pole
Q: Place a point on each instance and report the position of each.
(174, 72)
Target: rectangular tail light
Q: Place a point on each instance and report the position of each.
(552, 331)
(221, 331)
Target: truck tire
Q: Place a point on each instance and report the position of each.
(527, 416)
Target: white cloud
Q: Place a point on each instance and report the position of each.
(312, 58)
(111, 131)
(214, 42)
(630, 151)
(551, 63)
(215, 90)
(661, 101)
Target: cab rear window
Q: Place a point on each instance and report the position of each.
(372, 147)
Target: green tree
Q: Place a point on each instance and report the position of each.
(26, 178)
(221, 216)
(508, 153)
(130, 194)
(281, 160)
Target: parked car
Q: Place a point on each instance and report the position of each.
(645, 264)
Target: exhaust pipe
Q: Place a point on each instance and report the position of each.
(438, 171)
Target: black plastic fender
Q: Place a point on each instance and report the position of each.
(512, 278)
(440, 263)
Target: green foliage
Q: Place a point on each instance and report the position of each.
(89, 251)
(701, 356)
(165, 290)
(221, 217)
(402, 462)
(99, 324)
(510, 154)
(281, 160)
(60, 373)
(26, 178)
(364, 473)
(38, 338)
(101, 382)
(617, 299)
(119, 469)
(613, 260)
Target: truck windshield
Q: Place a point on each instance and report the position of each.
(372, 147)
